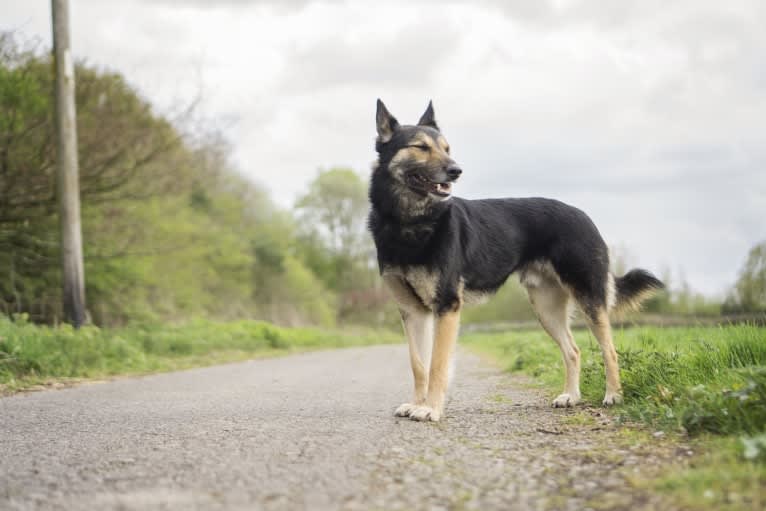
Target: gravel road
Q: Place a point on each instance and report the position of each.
(312, 431)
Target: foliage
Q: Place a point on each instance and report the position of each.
(298, 298)
(122, 142)
(679, 299)
(30, 353)
(335, 207)
(749, 293)
(333, 242)
(510, 303)
(170, 230)
(332, 222)
(123, 146)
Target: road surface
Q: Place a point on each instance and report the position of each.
(310, 431)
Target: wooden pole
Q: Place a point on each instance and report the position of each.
(67, 174)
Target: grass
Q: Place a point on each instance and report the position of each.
(707, 384)
(32, 354)
(707, 379)
(717, 478)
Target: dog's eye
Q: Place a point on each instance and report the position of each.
(422, 147)
(446, 149)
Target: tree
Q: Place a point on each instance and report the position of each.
(333, 221)
(172, 231)
(334, 243)
(337, 203)
(121, 138)
(749, 293)
(122, 144)
(127, 153)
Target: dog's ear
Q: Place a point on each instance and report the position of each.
(387, 123)
(427, 119)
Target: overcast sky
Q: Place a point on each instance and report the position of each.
(650, 115)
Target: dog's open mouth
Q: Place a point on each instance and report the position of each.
(423, 185)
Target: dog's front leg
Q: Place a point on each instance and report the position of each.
(418, 324)
(447, 325)
(419, 329)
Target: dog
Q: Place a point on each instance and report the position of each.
(437, 253)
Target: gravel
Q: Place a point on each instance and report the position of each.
(314, 431)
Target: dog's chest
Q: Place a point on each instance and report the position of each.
(422, 281)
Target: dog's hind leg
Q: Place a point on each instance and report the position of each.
(419, 329)
(447, 326)
(598, 321)
(551, 302)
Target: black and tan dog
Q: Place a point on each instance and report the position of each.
(438, 253)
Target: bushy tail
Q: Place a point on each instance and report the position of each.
(633, 288)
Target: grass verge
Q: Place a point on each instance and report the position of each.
(707, 384)
(32, 354)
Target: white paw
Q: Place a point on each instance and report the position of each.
(424, 413)
(405, 410)
(612, 398)
(566, 400)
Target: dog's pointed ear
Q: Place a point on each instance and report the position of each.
(428, 119)
(387, 123)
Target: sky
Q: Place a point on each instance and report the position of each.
(650, 116)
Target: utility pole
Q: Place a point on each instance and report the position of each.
(67, 173)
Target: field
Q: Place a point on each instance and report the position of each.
(702, 385)
(31, 355)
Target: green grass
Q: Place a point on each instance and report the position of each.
(31, 354)
(707, 379)
(715, 479)
(704, 384)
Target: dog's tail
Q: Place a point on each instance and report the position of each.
(633, 288)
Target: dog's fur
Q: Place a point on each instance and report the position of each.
(437, 253)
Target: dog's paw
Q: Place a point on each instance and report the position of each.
(612, 398)
(565, 400)
(405, 410)
(424, 413)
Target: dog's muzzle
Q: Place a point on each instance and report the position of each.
(453, 172)
(424, 186)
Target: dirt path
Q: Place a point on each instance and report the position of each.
(313, 431)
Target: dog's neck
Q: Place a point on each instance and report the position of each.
(420, 213)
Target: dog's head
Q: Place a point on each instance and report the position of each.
(416, 159)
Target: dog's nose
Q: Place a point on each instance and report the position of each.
(453, 171)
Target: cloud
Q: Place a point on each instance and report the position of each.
(620, 16)
(281, 5)
(400, 57)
